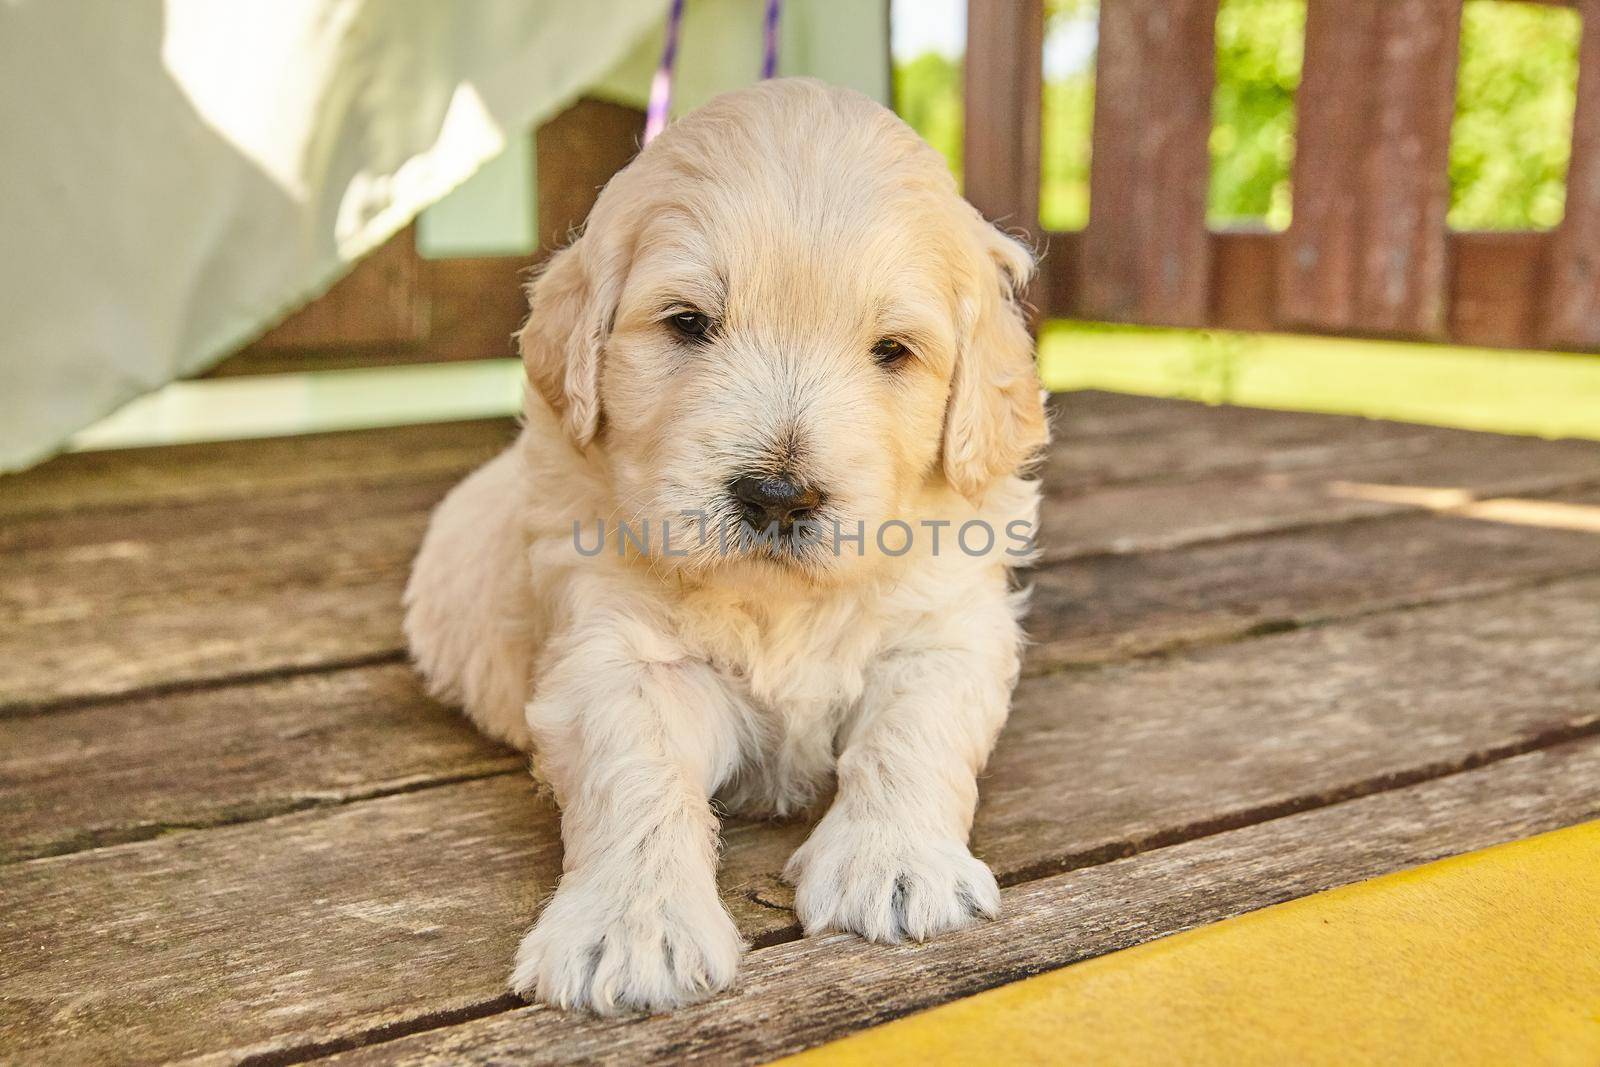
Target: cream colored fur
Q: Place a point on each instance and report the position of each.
(808, 222)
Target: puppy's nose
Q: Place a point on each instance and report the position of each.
(767, 499)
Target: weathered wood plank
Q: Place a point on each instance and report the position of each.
(115, 602)
(1317, 277)
(1404, 266)
(1367, 242)
(1496, 285)
(170, 474)
(1004, 82)
(390, 911)
(1106, 607)
(1142, 516)
(100, 774)
(1105, 438)
(380, 301)
(1244, 270)
(111, 602)
(576, 153)
(801, 994)
(1572, 284)
(474, 306)
(1100, 437)
(1146, 251)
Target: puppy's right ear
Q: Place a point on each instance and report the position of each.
(569, 319)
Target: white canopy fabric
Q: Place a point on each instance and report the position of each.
(177, 175)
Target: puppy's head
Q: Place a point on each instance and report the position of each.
(783, 316)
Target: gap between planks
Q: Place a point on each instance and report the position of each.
(1111, 783)
(828, 986)
(1077, 645)
(1110, 492)
(1042, 662)
(1363, 512)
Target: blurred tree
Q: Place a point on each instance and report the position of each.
(1512, 135)
(927, 93)
(1260, 44)
(1067, 115)
(1510, 141)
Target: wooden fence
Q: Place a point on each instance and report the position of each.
(1367, 252)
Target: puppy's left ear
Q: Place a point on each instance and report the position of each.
(571, 304)
(995, 421)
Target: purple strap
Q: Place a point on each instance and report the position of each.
(661, 84)
(769, 59)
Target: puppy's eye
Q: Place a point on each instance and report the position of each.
(691, 325)
(889, 352)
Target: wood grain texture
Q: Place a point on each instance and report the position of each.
(1572, 289)
(1496, 285)
(1367, 244)
(1099, 437)
(1146, 254)
(1317, 283)
(576, 153)
(823, 988)
(478, 305)
(379, 302)
(122, 601)
(1244, 270)
(474, 306)
(1107, 607)
(1143, 516)
(97, 776)
(1004, 82)
(1107, 438)
(236, 470)
(322, 926)
(262, 749)
(125, 599)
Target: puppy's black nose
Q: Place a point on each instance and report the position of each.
(766, 499)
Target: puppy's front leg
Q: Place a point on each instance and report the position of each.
(634, 739)
(889, 860)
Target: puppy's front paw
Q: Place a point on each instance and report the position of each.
(600, 946)
(877, 880)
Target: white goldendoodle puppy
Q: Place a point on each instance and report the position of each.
(752, 541)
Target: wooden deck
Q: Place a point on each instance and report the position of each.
(1266, 663)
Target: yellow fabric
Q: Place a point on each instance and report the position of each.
(1488, 958)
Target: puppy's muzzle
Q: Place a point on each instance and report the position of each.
(775, 499)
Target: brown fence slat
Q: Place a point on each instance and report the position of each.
(1316, 283)
(1368, 242)
(378, 302)
(1146, 252)
(1572, 293)
(1404, 265)
(1004, 72)
(576, 153)
(1243, 265)
(1495, 287)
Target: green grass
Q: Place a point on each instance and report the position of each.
(1511, 392)
(1536, 393)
